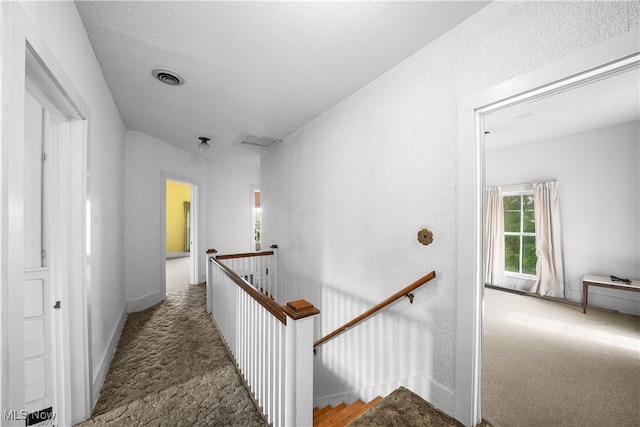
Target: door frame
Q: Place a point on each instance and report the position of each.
(26, 52)
(600, 61)
(194, 262)
(253, 189)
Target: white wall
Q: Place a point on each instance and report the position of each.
(224, 210)
(59, 24)
(146, 159)
(597, 174)
(345, 195)
(229, 206)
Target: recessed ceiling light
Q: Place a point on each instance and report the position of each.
(167, 76)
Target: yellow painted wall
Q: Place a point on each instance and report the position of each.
(177, 194)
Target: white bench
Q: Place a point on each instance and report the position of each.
(605, 282)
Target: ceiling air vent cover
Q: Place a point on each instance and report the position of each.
(168, 77)
(260, 141)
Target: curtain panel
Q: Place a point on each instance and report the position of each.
(187, 226)
(494, 238)
(550, 267)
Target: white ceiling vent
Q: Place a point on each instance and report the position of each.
(260, 141)
(168, 76)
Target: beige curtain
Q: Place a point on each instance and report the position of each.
(187, 226)
(494, 238)
(549, 268)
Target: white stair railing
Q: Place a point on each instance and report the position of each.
(272, 345)
(257, 268)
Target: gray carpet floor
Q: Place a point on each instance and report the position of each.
(172, 369)
(548, 364)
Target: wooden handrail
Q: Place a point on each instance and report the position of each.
(261, 298)
(245, 255)
(377, 307)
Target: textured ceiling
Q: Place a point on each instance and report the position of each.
(251, 67)
(608, 102)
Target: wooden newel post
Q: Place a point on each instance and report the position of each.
(299, 363)
(209, 253)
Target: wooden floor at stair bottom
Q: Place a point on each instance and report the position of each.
(342, 414)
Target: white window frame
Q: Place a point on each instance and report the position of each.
(521, 233)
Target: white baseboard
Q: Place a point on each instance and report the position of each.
(142, 303)
(103, 367)
(438, 396)
(178, 254)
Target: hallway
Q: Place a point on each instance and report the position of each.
(177, 274)
(171, 368)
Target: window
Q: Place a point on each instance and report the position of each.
(519, 234)
(257, 216)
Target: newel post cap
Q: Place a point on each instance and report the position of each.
(299, 309)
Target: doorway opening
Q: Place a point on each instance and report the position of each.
(180, 232)
(605, 59)
(585, 140)
(178, 235)
(46, 320)
(256, 217)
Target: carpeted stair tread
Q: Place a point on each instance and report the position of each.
(404, 408)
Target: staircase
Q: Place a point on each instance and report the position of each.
(342, 414)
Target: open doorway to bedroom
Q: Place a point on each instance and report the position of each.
(178, 231)
(581, 147)
(584, 141)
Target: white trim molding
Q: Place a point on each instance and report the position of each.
(25, 51)
(610, 57)
(194, 268)
(103, 366)
(142, 303)
(171, 255)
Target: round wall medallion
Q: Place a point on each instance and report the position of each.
(425, 236)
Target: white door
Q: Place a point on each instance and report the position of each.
(38, 291)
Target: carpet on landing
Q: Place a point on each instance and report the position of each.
(404, 408)
(171, 368)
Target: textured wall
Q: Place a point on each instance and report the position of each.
(597, 174)
(345, 195)
(146, 157)
(229, 209)
(225, 208)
